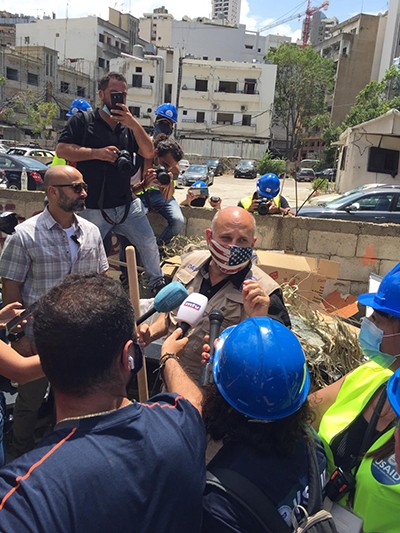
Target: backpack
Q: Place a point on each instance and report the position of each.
(314, 519)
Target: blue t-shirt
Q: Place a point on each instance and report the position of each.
(283, 479)
(140, 469)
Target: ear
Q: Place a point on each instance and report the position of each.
(127, 356)
(208, 235)
(101, 94)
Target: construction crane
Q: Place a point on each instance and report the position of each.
(306, 26)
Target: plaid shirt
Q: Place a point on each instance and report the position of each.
(38, 255)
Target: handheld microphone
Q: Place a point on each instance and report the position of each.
(216, 318)
(191, 311)
(169, 298)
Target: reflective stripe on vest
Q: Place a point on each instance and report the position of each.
(247, 201)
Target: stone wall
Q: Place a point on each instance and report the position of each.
(360, 248)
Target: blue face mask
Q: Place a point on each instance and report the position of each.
(370, 339)
(106, 110)
(162, 127)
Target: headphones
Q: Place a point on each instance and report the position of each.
(131, 362)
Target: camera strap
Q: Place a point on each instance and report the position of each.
(101, 206)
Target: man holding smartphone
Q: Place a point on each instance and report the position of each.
(105, 145)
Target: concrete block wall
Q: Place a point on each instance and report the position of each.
(360, 248)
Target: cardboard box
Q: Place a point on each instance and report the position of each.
(308, 273)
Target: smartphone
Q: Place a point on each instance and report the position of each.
(215, 199)
(11, 324)
(116, 98)
(199, 191)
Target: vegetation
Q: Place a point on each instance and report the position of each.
(303, 80)
(320, 184)
(270, 164)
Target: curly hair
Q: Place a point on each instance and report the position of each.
(224, 423)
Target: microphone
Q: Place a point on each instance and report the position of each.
(167, 299)
(216, 318)
(191, 311)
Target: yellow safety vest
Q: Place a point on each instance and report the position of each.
(377, 494)
(247, 201)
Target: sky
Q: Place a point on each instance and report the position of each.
(254, 13)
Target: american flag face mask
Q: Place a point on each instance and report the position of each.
(228, 257)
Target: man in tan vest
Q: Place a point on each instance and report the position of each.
(226, 275)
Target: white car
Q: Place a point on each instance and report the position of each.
(183, 166)
(44, 156)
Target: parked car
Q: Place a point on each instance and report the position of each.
(44, 156)
(380, 204)
(183, 165)
(3, 180)
(216, 166)
(12, 166)
(328, 173)
(323, 199)
(305, 174)
(198, 173)
(3, 148)
(245, 169)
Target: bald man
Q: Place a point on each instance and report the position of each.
(42, 251)
(226, 275)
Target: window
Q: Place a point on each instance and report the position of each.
(248, 46)
(12, 74)
(138, 69)
(101, 38)
(343, 160)
(227, 87)
(136, 80)
(217, 59)
(205, 58)
(249, 86)
(64, 87)
(200, 116)
(101, 62)
(225, 118)
(123, 47)
(116, 44)
(80, 91)
(376, 202)
(201, 85)
(135, 110)
(109, 40)
(151, 79)
(246, 120)
(184, 112)
(383, 161)
(33, 79)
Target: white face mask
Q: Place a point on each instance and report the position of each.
(370, 339)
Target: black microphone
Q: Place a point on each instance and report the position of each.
(216, 318)
(75, 238)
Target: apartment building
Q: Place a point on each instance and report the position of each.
(227, 9)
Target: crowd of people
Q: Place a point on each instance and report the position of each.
(111, 463)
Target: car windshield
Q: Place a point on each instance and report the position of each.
(211, 162)
(246, 164)
(200, 169)
(28, 162)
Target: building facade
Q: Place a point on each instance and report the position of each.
(227, 9)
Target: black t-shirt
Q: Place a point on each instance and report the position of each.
(99, 134)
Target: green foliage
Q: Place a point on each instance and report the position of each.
(41, 115)
(322, 184)
(303, 80)
(376, 99)
(268, 164)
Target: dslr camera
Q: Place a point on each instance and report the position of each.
(263, 206)
(124, 164)
(162, 176)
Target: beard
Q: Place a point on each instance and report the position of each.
(70, 206)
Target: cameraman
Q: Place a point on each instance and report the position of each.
(267, 200)
(105, 144)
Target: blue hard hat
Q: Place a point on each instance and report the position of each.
(268, 185)
(260, 369)
(78, 105)
(387, 299)
(199, 184)
(393, 391)
(167, 111)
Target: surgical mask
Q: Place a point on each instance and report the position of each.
(228, 257)
(370, 339)
(162, 127)
(106, 110)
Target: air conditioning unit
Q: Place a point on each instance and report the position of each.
(243, 108)
(215, 106)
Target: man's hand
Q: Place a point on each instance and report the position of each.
(173, 344)
(149, 177)
(253, 206)
(122, 115)
(215, 205)
(8, 312)
(108, 153)
(255, 299)
(143, 335)
(274, 209)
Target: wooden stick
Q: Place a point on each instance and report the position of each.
(134, 296)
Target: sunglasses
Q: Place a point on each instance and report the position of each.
(76, 187)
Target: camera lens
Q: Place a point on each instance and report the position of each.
(263, 208)
(163, 176)
(124, 164)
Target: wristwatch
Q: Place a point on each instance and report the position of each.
(13, 336)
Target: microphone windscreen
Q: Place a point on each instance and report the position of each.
(170, 297)
(192, 309)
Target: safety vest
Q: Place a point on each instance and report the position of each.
(58, 161)
(247, 201)
(377, 494)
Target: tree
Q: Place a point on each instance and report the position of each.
(304, 78)
(376, 99)
(270, 164)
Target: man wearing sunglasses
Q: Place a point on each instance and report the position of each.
(43, 251)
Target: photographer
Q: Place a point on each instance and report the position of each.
(267, 200)
(197, 195)
(105, 144)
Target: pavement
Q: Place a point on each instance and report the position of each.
(232, 190)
